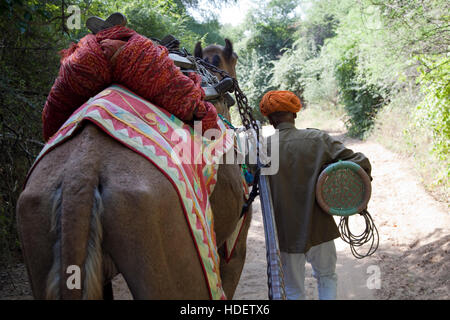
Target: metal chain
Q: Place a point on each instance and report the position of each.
(245, 110)
(275, 273)
(207, 76)
(242, 102)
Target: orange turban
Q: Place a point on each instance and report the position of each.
(274, 101)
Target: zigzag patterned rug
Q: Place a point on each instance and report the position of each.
(150, 131)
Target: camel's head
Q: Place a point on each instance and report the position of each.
(222, 57)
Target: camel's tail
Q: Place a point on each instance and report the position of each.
(77, 271)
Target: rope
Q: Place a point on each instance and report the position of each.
(370, 234)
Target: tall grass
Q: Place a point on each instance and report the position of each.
(397, 128)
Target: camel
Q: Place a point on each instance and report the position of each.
(223, 57)
(94, 203)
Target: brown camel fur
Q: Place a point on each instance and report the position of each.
(222, 57)
(93, 203)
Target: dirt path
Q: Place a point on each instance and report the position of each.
(413, 259)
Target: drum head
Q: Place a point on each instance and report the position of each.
(343, 189)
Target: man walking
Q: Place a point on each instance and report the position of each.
(305, 231)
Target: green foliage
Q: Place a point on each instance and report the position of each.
(291, 71)
(306, 69)
(434, 112)
(254, 74)
(418, 27)
(209, 30)
(321, 88)
(270, 28)
(361, 100)
(400, 129)
(420, 34)
(362, 54)
(265, 34)
(30, 37)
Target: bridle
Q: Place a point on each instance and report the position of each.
(227, 84)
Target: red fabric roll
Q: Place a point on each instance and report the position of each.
(83, 73)
(138, 64)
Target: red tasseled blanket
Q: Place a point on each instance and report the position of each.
(120, 55)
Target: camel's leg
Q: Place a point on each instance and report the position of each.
(147, 237)
(230, 271)
(226, 202)
(37, 242)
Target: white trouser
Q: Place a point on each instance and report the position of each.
(323, 261)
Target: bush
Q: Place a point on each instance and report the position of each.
(433, 113)
(254, 74)
(361, 100)
(401, 129)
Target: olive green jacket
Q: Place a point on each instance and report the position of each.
(303, 154)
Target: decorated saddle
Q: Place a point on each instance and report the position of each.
(161, 138)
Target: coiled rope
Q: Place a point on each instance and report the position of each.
(369, 235)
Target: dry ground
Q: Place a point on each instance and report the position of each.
(413, 257)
